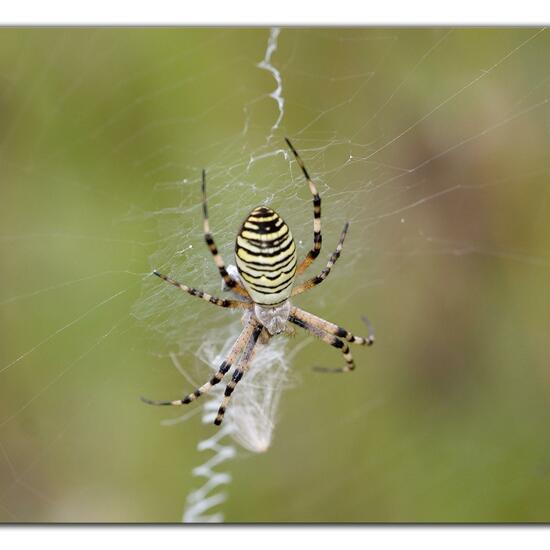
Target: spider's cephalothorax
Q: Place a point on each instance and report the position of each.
(265, 254)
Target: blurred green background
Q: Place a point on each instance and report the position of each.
(433, 142)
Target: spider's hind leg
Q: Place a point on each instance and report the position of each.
(229, 281)
(233, 272)
(318, 279)
(317, 237)
(222, 302)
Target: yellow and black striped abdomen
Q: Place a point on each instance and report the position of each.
(265, 253)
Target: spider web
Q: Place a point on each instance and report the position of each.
(432, 142)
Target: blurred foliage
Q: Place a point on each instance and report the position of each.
(446, 417)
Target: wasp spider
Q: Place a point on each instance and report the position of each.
(266, 259)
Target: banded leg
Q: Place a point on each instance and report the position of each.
(222, 302)
(230, 283)
(331, 328)
(241, 368)
(242, 342)
(317, 238)
(310, 283)
(329, 339)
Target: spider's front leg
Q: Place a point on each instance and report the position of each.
(330, 334)
(241, 368)
(329, 339)
(336, 330)
(242, 342)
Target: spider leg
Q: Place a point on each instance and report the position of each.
(241, 368)
(335, 330)
(218, 260)
(317, 238)
(310, 283)
(222, 302)
(329, 339)
(241, 343)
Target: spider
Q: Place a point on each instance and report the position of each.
(265, 254)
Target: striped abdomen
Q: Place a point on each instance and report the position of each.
(265, 253)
